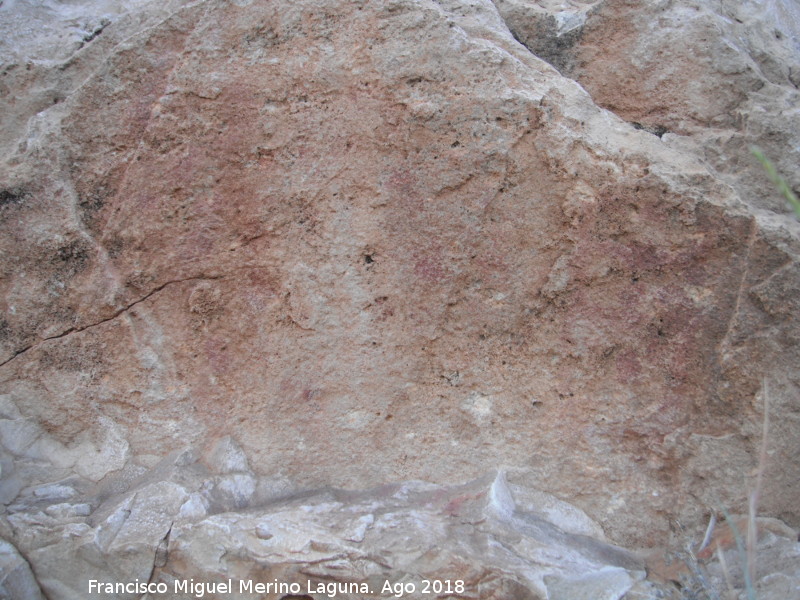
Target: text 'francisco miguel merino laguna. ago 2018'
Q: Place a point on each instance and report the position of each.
(200, 589)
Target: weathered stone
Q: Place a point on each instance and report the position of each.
(232, 491)
(711, 78)
(774, 562)
(226, 456)
(408, 532)
(16, 579)
(475, 533)
(610, 583)
(377, 242)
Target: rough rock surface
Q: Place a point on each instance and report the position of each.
(179, 522)
(711, 78)
(199, 519)
(386, 241)
(16, 578)
(717, 569)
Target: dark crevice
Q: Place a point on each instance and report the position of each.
(539, 33)
(160, 556)
(540, 36)
(97, 30)
(657, 130)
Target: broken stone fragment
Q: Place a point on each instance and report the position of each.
(17, 582)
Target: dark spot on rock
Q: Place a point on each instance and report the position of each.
(91, 204)
(369, 259)
(11, 197)
(545, 42)
(96, 31)
(115, 247)
(263, 36)
(71, 257)
(657, 130)
(74, 251)
(79, 358)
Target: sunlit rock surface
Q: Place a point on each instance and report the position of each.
(171, 525)
(403, 240)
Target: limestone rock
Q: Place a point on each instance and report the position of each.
(226, 456)
(380, 242)
(718, 568)
(16, 578)
(476, 534)
(403, 533)
(712, 78)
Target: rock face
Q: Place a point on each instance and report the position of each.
(713, 78)
(16, 578)
(413, 239)
(172, 526)
(201, 523)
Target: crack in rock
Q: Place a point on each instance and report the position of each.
(116, 314)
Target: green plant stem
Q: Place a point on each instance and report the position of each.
(779, 181)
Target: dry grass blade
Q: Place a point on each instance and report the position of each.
(755, 495)
(726, 573)
(712, 521)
